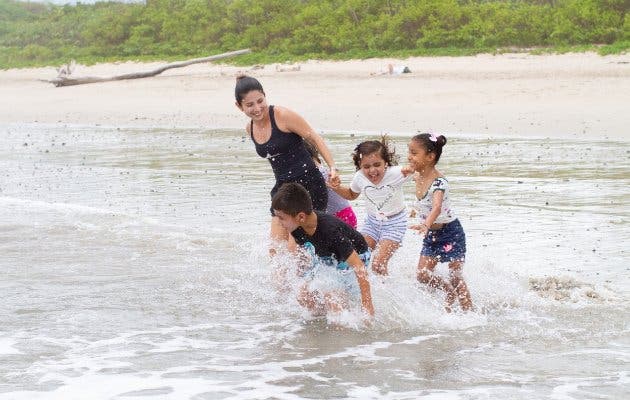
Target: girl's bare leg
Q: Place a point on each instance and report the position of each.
(312, 301)
(370, 241)
(426, 275)
(336, 301)
(384, 251)
(459, 286)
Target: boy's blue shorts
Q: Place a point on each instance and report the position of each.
(447, 244)
(326, 275)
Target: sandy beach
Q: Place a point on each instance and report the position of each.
(571, 95)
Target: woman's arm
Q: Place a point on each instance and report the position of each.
(290, 121)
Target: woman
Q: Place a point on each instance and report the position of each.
(278, 135)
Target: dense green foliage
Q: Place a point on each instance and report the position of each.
(279, 30)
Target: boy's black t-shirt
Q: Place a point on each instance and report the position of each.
(332, 238)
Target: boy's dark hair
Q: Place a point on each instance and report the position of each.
(244, 85)
(432, 143)
(292, 199)
(375, 146)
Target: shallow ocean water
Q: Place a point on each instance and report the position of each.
(133, 264)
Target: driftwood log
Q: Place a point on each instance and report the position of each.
(66, 80)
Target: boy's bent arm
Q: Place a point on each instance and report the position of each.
(364, 285)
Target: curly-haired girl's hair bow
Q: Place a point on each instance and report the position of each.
(433, 137)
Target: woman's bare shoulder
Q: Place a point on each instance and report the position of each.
(287, 119)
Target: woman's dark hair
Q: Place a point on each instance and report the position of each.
(312, 150)
(244, 85)
(375, 146)
(432, 143)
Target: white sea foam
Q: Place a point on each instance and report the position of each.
(7, 346)
(28, 205)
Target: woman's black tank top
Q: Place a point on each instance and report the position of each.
(286, 153)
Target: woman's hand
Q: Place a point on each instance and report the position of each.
(334, 173)
(334, 182)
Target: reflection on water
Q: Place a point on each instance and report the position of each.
(133, 263)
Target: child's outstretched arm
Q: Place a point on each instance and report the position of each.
(407, 170)
(345, 192)
(364, 284)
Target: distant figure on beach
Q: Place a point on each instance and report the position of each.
(381, 181)
(337, 205)
(336, 255)
(394, 70)
(397, 69)
(444, 238)
(278, 135)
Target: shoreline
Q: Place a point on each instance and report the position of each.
(403, 134)
(577, 96)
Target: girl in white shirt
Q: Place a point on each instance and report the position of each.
(444, 238)
(380, 180)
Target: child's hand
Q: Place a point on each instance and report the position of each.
(421, 228)
(334, 182)
(407, 170)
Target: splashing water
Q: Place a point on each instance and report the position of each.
(135, 263)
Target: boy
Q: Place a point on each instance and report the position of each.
(334, 246)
